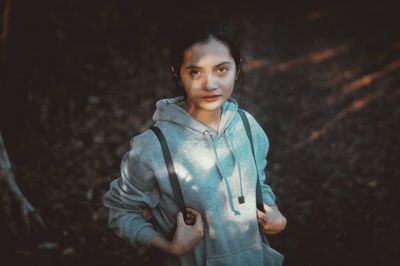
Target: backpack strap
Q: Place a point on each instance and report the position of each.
(260, 204)
(173, 179)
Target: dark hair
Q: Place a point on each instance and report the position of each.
(196, 32)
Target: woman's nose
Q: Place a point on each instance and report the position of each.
(211, 82)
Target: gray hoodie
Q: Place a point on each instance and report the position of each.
(213, 169)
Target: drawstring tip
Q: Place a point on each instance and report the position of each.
(241, 199)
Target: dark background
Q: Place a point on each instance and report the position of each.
(80, 78)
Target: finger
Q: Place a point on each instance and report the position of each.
(260, 215)
(199, 221)
(198, 217)
(273, 228)
(271, 232)
(267, 208)
(192, 212)
(179, 219)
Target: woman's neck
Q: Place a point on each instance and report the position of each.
(208, 118)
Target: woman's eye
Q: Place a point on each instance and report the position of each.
(222, 69)
(194, 72)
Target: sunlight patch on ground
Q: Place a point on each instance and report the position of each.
(366, 80)
(311, 58)
(255, 64)
(356, 105)
(339, 76)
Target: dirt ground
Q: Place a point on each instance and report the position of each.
(322, 79)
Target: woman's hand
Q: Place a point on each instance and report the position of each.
(187, 234)
(272, 221)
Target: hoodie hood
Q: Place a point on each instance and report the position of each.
(173, 110)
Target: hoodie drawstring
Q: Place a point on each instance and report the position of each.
(241, 198)
(228, 188)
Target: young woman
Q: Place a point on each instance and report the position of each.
(214, 164)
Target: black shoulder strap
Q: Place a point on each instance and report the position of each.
(259, 199)
(171, 170)
(174, 179)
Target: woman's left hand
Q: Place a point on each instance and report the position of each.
(272, 221)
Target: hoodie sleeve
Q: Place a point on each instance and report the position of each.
(261, 146)
(126, 198)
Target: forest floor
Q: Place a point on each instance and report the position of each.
(323, 81)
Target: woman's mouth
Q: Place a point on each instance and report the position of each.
(211, 98)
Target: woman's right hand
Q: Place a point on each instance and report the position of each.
(187, 235)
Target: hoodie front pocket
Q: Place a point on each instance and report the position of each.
(250, 256)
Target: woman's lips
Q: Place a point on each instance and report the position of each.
(211, 98)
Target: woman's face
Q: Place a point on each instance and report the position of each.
(208, 74)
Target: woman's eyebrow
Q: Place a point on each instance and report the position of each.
(225, 63)
(191, 66)
(222, 63)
